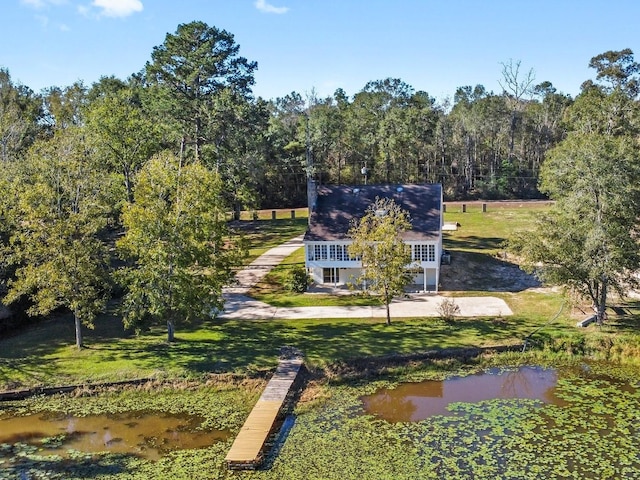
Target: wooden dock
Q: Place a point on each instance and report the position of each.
(248, 449)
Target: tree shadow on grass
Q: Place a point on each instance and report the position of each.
(30, 358)
(226, 346)
(624, 316)
(270, 232)
(471, 271)
(255, 345)
(474, 243)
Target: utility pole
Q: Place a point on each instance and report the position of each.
(312, 192)
(365, 173)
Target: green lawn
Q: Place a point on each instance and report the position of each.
(44, 354)
(263, 235)
(487, 232)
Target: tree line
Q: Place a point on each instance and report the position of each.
(193, 97)
(162, 155)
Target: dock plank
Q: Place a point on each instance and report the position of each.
(248, 447)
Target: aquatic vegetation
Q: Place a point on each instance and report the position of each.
(592, 433)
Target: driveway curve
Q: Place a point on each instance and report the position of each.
(238, 305)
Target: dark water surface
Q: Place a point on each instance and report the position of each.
(148, 435)
(412, 402)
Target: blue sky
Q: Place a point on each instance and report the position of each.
(321, 45)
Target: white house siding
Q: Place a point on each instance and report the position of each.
(431, 285)
(343, 270)
(331, 255)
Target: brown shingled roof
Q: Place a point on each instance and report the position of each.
(338, 205)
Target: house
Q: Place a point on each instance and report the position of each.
(332, 208)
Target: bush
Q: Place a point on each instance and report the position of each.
(448, 309)
(297, 280)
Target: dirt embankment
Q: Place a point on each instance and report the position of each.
(479, 272)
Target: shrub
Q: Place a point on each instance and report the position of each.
(297, 280)
(448, 309)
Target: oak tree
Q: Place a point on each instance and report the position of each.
(178, 245)
(56, 211)
(589, 241)
(377, 241)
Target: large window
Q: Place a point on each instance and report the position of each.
(424, 253)
(333, 252)
(319, 252)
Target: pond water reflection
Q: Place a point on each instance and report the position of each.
(412, 402)
(146, 435)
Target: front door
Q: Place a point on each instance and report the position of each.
(330, 275)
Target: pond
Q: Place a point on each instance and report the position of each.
(145, 435)
(579, 422)
(526, 423)
(412, 402)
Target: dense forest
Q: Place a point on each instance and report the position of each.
(159, 155)
(194, 98)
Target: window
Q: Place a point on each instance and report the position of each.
(335, 252)
(424, 252)
(320, 252)
(352, 258)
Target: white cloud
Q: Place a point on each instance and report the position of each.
(117, 8)
(43, 19)
(45, 23)
(33, 3)
(263, 6)
(40, 4)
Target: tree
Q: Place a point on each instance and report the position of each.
(64, 106)
(236, 128)
(619, 69)
(589, 241)
(177, 240)
(56, 213)
(515, 87)
(124, 137)
(286, 175)
(189, 70)
(20, 114)
(377, 241)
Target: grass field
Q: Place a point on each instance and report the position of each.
(44, 354)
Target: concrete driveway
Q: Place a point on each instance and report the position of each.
(240, 306)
